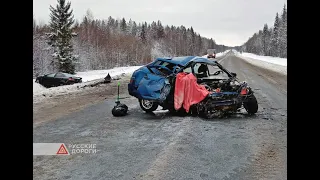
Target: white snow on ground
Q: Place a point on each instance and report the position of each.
(37, 87)
(272, 63)
(89, 77)
(270, 59)
(98, 74)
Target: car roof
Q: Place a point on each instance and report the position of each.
(184, 60)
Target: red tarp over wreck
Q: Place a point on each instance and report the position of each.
(187, 91)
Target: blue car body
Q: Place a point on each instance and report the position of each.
(148, 82)
(155, 81)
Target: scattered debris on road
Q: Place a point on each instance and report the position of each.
(119, 109)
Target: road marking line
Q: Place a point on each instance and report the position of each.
(223, 58)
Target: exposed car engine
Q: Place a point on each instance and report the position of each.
(223, 85)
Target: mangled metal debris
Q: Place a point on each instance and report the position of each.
(193, 85)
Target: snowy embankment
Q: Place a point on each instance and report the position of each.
(88, 78)
(272, 63)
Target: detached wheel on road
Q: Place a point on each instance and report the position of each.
(148, 106)
(251, 105)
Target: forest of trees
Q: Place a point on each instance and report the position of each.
(270, 41)
(104, 44)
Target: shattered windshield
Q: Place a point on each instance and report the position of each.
(209, 71)
(165, 64)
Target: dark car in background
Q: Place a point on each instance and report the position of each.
(57, 79)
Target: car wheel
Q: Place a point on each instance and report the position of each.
(69, 82)
(181, 112)
(147, 105)
(251, 105)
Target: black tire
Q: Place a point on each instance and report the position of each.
(172, 110)
(148, 108)
(251, 105)
(69, 83)
(180, 112)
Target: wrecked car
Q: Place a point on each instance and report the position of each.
(191, 84)
(58, 79)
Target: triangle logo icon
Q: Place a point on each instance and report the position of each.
(62, 150)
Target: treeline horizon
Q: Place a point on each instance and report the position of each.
(108, 43)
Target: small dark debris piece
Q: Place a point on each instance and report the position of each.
(203, 175)
(107, 79)
(119, 109)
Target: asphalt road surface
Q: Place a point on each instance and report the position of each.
(161, 146)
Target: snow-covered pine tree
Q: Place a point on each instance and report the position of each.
(193, 35)
(283, 34)
(143, 34)
(199, 45)
(134, 29)
(129, 27)
(183, 40)
(116, 26)
(275, 37)
(60, 36)
(269, 46)
(265, 39)
(153, 31)
(123, 25)
(258, 43)
(160, 30)
(34, 25)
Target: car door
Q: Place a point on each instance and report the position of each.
(155, 86)
(59, 79)
(48, 79)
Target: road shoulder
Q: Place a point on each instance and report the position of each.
(57, 106)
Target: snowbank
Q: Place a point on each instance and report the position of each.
(98, 74)
(88, 78)
(269, 59)
(272, 63)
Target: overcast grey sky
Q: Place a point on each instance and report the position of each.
(228, 22)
